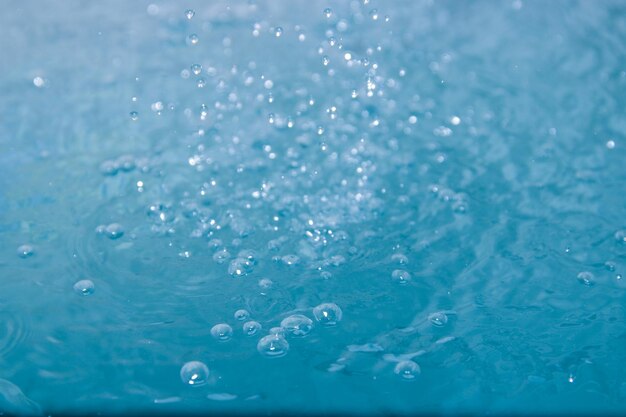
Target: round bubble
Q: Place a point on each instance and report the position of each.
(328, 314)
(408, 370)
(273, 346)
(84, 287)
(250, 328)
(25, 251)
(222, 332)
(586, 278)
(194, 373)
(114, 231)
(438, 319)
(241, 315)
(400, 276)
(297, 325)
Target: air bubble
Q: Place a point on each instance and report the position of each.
(25, 251)
(189, 14)
(134, 115)
(84, 287)
(438, 319)
(222, 332)
(278, 32)
(408, 370)
(38, 82)
(325, 60)
(196, 69)
(400, 276)
(194, 373)
(241, 315)
(374, 14)
(193, 39)
(297, 325)
(250, 328)
(586, 278)
(114, 231)
(273, 346)
(328, 314)
(328, 13)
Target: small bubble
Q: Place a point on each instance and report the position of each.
(38, 82)
(84, 287)
(265, 283)
(134, 115)
(328, 314)
(221, 256)
(239, 267)
(347, 56)
(620, 236)
(273, 346)
(320, 130)
(438, 319)
(241, 315)
(455, 120)
(114, 231)
(290, 260)
(297, 325)
(401, 276)
(325, 60)
(189, 14)
(250, 328)
(193, 39)
(268, 84)
(222, 332)
(354, 94)
(610, 144)
(400, 258)
(25, 251)
(374, 14)
(201, 83)
(586, 278)
(278, 32)
(328, 13)
(610, 266)
(408, 370)
(196, 69)
(194, 373)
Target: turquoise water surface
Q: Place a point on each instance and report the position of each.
(325, 206)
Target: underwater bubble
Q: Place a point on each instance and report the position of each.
(374, 14)
(328, 314)
(250, 328)
(620, 236)
(134, 115)
(290, 260)
(38, 82)
(126, 163)
(189, 14)
(610, 144)
(297, 325)
(407, 370)
(400, 258)
(438, 318)
(196, 69)
(241, 315)
(586, 278)
(273, 346)
(193, 39)
(325, 60)
(328, 13)
(222, 332)
(109, 168)
(266, 283)
(194, 373)
(84, 287)
(25, 251)
(277, 331)
(201, 83)
(114, 231)
(278, 32)
(400, 276)
(610, 266)
(239, 267)
(221, 256)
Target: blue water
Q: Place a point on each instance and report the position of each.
(322, 206)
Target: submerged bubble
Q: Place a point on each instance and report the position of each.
(408, 370)
(134, 115)
(193, 39)
(328, 13)
(241, 315)
(189, 14)
(114, 231)
(586, 278)
(194, 373)
(438, 318)
(196, 69)
(328, 314)
(273, 346)
(25, 251)
(620, 236)
(222, 332)
(290, 260)
(325, 60)
(84, 287)
(239, 267)
(278, 32)
(400, 276)
(297, 325)
(250, 328)
(38, 82)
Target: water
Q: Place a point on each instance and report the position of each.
(434, 213)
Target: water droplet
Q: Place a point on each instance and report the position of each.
(194, 373)
(297, 325)
(278, 32)
(222, 332)
(328, 314)
(84, 287)
(250, 328)
(408, 370)
(189, 14)
(586, 278)
(134, 115)
(328, 13)
(25, 251)
(273, 346)
(400, 276)
(438, 318)
(241, 315)
(114, 231)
